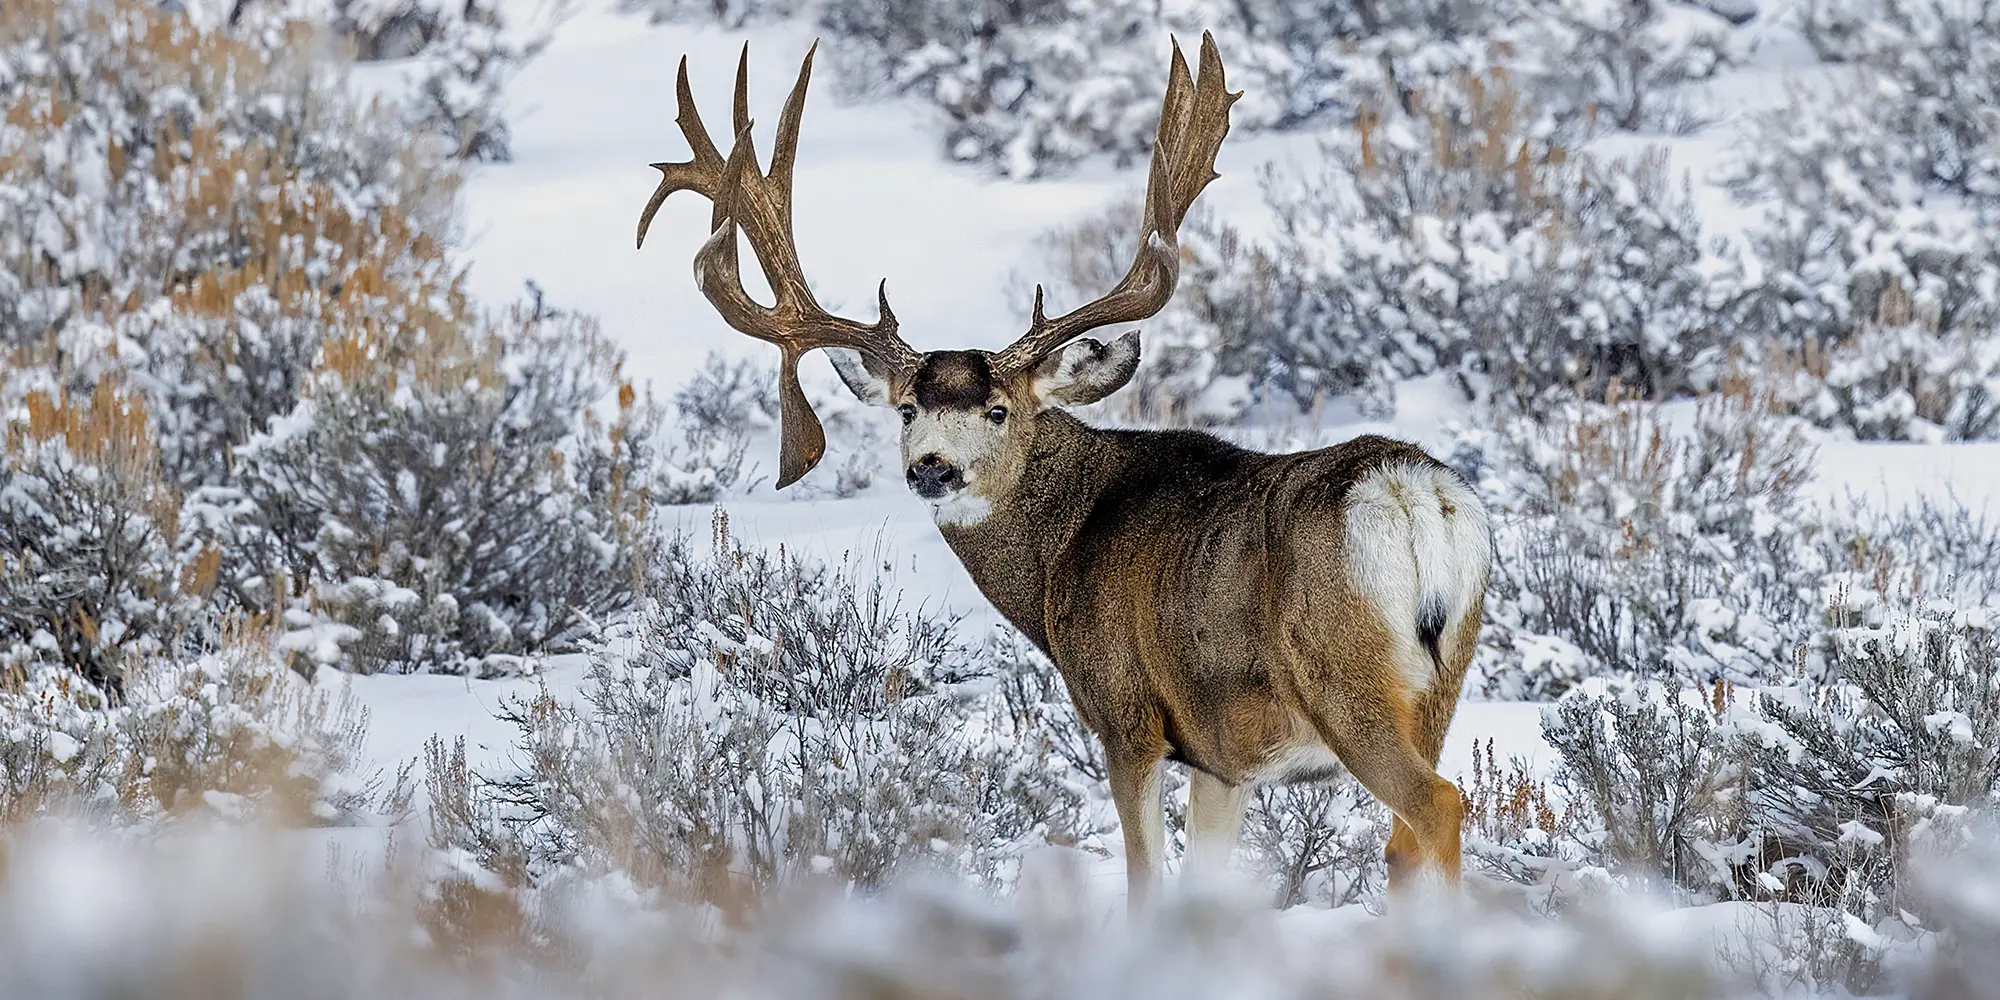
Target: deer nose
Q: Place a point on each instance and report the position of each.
(933, 477)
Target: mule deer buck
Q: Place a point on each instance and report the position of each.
(1262, 618)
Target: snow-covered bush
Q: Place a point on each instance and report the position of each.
(1038, 702)
(447, 503)
(1515, 830)
(1894, 381)
(726, 397)
(464, 51)
(375, 29)
(769, 719)
(1871, 290)
(1617, 291)
(1319, 842)
(1025, 86)
(1835, 28)
(1938, 67)
(233, 734)
(1352, 291)
(1652, 764)
(1876, 269)
(1460, 235)
(211, 224)
(1830, 789)
(1847, 221)
(727, 13)
(1930, 550)
(1851, 781)
(94, 566)
(1634, 543)
(458, 98)
(718, 409)
(728, 407)
(1617, 61)
(1029, 87)
(1377, 234)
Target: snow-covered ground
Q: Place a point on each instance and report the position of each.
(875, 199)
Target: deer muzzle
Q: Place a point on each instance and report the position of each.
(933, 478)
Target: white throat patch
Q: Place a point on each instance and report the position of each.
(961, 510)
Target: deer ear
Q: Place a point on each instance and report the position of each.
(869, 383)
(1087, 371)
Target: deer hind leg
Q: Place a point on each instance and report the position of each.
(1390, 746)
(1428, 725)
(1136, 792)
(1425, 839)
(1215, 822)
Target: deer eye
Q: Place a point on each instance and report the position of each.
(909, 412)
(997, 414)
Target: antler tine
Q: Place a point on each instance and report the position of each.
(739, 116)
(1175, 109)
(785, 149)
(1194, 118)
(759, 203)
(1202, 139)
(701, 173)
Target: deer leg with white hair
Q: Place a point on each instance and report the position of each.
(1215, 822)
(1136, 791)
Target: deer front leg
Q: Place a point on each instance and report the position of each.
(1135, 790)
(1215, 822)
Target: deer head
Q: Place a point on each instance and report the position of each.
(968, 415)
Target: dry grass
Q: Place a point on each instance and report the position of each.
(1504, 804)
(108, 429)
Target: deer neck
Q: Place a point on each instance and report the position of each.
(1011, 552)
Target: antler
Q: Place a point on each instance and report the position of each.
(760, 204)
(1193, 119)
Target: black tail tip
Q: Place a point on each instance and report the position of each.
(1430, 627)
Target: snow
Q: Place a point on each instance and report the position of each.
(63, 747)
(406, 712)
(1893, 474)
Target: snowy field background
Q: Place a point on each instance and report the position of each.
(238, 776)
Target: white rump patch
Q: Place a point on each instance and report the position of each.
(1416, 535)
(961, 509)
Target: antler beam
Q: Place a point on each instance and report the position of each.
(1194, 118)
